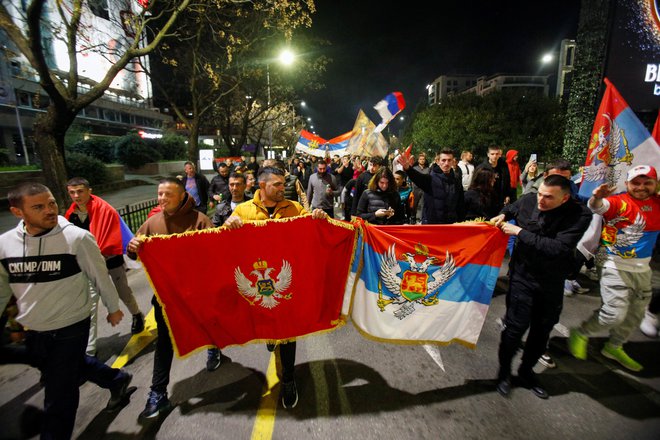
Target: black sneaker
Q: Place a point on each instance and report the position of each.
(138, 324)
(289, 394)
(213, 359)
(156, 402)
(118, 393)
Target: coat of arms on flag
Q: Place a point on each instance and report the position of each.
(619, 141)
(266, 291)
(415, 285)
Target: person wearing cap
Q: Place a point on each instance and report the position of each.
(630, 230)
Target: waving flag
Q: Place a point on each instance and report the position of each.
(388, 108)
(619, 141)
(311, 144)
(656, 129)
(427, 284)
(267, 291)
(339, 145)
(365, 141)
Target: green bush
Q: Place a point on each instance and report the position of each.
(133, 152)
(4, 156)
(172, 147)
(81, 165)
(102, 149)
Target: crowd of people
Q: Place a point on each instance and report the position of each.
(553, 232)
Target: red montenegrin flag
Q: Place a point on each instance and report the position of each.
(266, 281)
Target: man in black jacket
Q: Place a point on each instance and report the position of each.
(219, 187)
(548, 227)
(443, 191)
(496, 164)
(227, 206)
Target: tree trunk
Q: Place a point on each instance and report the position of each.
(49, 131)
(193, 138)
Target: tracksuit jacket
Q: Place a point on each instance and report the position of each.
(49, 275)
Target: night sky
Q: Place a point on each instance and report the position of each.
(378, 48)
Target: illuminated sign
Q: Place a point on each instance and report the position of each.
(144, 135)
(633, 61)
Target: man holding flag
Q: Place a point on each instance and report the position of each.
(97, 216)
(269, 203)
(548, 227)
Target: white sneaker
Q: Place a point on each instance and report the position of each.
(649, 325)
(577, 288)
(568, 288)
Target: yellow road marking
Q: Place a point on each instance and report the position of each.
(265, 419)
(138, 342)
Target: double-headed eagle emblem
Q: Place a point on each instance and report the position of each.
(608, 154)
(265, 291)
(616, 240)
(415, 285)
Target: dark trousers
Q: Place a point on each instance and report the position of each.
(288, 359)
(164, 354)
(533, 307)
(330, 212)
(60, 355)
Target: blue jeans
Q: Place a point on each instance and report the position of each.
(60, 355)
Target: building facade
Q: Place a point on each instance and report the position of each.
(127, 104)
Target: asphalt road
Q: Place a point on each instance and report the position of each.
(352, 387)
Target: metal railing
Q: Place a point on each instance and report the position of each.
(135, 214)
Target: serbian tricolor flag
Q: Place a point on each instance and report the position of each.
(106, 225)
(311, 144)
(339, 145)
(388, 108)
(229, 287)
(619, 142)
(426, 284)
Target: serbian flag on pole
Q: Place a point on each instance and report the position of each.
(388, 108)
(229, 287)
(619, 142)
(311, 144)
(427, 284)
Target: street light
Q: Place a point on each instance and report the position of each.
(286, 57)
(547, 58)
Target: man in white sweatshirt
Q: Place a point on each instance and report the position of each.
(47, 263)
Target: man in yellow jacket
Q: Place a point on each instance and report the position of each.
(269, 203)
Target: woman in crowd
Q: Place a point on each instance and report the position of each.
(380, 203)
(480, 197)
(530, 175)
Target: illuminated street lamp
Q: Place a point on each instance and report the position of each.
(286, 58)
(547, 58)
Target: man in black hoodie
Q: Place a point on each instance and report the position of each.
(496, 164)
